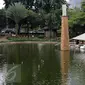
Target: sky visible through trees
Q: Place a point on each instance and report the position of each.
(1, 4)
(75, 3)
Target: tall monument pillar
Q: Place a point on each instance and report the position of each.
(64, 29)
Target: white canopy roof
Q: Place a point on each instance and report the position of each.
(80, 37)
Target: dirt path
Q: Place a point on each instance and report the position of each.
(3, 39)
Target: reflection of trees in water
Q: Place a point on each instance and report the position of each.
(40, 64)
(3, 70)
(48, 66)
(19, 53)
(12, 54)
(3, 58)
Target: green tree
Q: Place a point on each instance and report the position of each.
(27, 3)
(76, 21)
(83, 5)
(17, 12)
(2, 19)
(51, 12)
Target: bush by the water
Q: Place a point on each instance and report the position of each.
(41, 36)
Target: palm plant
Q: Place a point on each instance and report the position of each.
(16, 12)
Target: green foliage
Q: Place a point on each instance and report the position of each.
(2, 12)
(48, 5)
(83, 5)
(40, 13)
(76, 21)
(41, 36)
(17, 12)
(2, 18)
(74, 15)
(31, 13)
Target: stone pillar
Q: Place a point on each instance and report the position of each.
(64, 31)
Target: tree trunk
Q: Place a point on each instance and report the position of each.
(16, 27)
(19, 26)
(28, 29)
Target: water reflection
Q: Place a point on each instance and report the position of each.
(77, 69)
(42, 64)
(65, 59)
(3, 75)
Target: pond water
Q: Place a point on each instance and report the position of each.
(40, 64)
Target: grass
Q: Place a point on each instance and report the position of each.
(29, 39)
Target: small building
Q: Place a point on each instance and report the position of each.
(33, 33)
(7, 31)
(37, 33)
(50, 33)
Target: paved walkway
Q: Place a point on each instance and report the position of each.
(2, 39)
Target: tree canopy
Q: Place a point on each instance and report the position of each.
(16, 12)
(77, 20)
(2, 18)
(40, 12)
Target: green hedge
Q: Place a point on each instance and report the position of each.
(29, 39)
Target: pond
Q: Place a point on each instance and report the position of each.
(40, 64)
